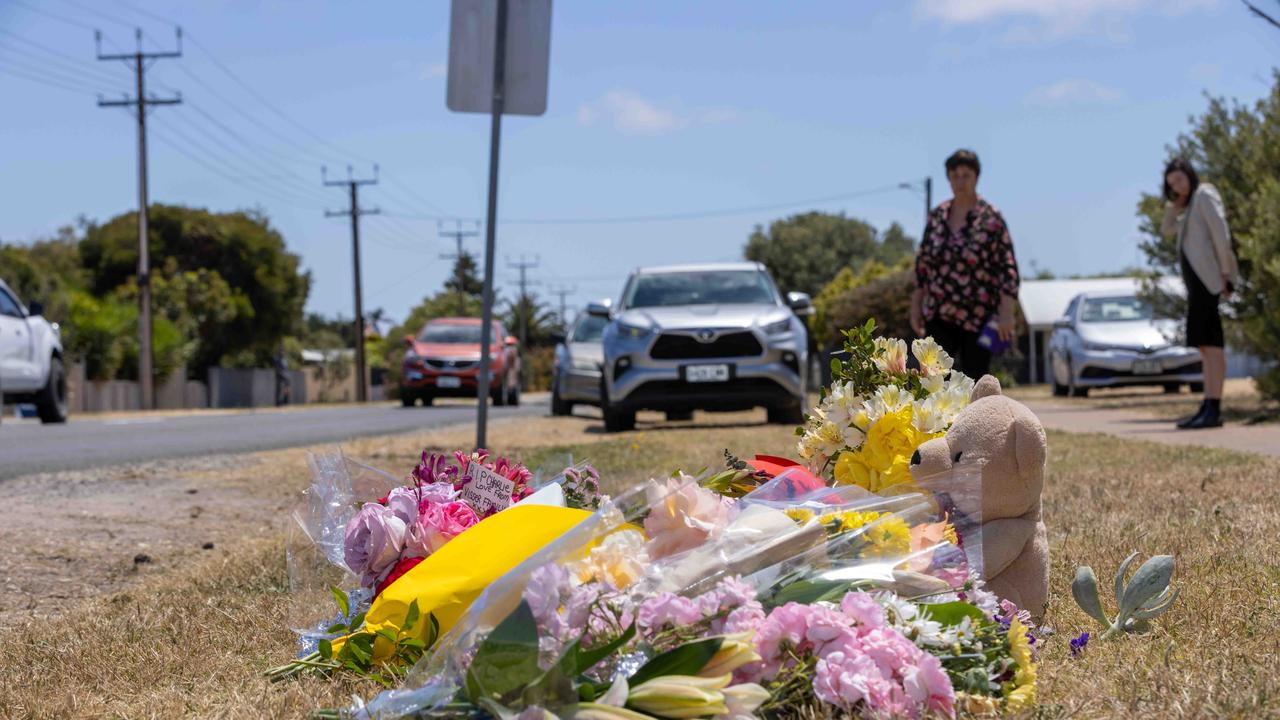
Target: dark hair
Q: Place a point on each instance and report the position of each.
(1183, 166)
(965, 158)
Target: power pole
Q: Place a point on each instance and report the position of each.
(563, 292)
(457, 233)
(355, 211)
(928, 198)
(140, 61)
(524, 266)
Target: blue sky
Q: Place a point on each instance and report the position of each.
(655, 108)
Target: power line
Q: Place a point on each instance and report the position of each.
(64, 61)
(140, 101)
(355, 211)
(524, 266)
(44, 80)
(53, 15)
(563, 292)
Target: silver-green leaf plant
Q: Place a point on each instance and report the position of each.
(1146, 596)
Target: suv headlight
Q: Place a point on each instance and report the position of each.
(586, 364)
(1097, 347)
(633, 332)
(778, 328)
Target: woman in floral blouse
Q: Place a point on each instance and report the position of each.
(966, 272)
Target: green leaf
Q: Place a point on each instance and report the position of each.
(687, 659)
(326, 649)
(341, 598)
(507, 660)
(411, 617)
(1150, 580)
(356, 622)
(336, 628)
(413, 643)
(587, 659)
(808, 591)
(1084, 588)
(433, 632)
(388, 634)
(953, 613)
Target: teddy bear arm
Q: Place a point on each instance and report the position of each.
(1003, 541)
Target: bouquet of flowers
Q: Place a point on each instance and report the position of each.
(396, 610)
(879, 409)
(673, 601)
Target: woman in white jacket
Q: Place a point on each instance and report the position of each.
(1195, 216)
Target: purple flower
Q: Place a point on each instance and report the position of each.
(373, 541)
(1079, 644)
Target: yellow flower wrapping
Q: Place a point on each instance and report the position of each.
(446, 582)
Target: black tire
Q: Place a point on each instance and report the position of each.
(1060, 390)
(1196, 388)
(1172, 388)
(679, 415)
(427, 399)
(786, 415)
(559, 406)
(513, 397)
(615, 419)
(407, 399)
(500, 395)
(51, 402)
(1079, 392)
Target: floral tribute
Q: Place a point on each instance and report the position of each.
(879, 409)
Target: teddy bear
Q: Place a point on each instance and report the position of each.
(1008, 441)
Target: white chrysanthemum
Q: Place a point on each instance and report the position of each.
(932, 358)
(890, 355)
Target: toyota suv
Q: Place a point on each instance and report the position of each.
(717, 337)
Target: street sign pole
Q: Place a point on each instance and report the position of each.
(491, 221)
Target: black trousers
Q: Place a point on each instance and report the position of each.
(970, 358)
(1204, 322)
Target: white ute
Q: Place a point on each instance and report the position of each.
(31, 366)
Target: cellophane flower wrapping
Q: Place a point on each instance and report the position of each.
(671, 556)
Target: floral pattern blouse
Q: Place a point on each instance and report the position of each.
(963, 274)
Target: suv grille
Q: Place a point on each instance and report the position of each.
(452, 364)
(685, 347)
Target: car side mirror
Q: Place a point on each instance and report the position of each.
(512, 341)
(800, 302)
(599, 310)
(558, 337)
(408, 340)
(1063, 322)
(36, 308)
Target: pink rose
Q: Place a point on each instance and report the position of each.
(437, 524)
(373, 541)
(684, 516)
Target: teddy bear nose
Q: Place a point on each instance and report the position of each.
(915, 458)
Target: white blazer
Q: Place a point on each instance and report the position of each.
(1204, 237)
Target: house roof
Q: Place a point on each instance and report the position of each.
(1044, 301)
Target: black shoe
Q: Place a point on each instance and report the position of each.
(1210, 418)
(1186, 422)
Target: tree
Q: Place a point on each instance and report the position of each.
(825, 330)
(532, 316)
(267, 288)
(1237, 148)
(465, 278)
(895, 244)
(804, 252)
(47, 271)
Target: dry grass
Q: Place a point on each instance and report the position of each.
(191, 641)
(1241, 401)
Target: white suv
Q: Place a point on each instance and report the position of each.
(31, 369)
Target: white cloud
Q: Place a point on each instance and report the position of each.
(1075, 91)
(632, 114)
(1054, 17)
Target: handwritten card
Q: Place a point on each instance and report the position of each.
(487, 490)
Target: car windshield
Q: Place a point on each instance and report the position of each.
(449, 333)
(1114, 309)
(718, 287)
(590, 329)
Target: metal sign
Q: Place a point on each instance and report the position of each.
(472, 31)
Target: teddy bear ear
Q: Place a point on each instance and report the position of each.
(985, 387)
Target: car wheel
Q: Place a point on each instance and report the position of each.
(615, 419)
(1172, 388)
(1196, 388)
(500, 395)
(51, 402)
(678, 415)
(513, 399)
(1059, 390)
(786, 414)
(407, 400)
(427, 399)
(1079, 392)
(559, 407)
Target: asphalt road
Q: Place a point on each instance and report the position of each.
(83, 443)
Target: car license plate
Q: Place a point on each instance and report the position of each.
(448, 381)
(1147, 367)
(414, 375)
(706, 373)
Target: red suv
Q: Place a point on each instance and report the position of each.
(444, 361)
